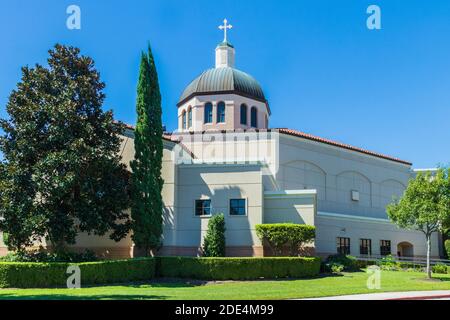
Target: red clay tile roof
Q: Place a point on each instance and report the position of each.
(166, 136)
(300, 134)
(295, 133)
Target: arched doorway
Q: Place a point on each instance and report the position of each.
(405, 249)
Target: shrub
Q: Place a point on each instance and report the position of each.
(279, 235)
(447, 247)
(388, 263)
(40, 275)
(5, 239)
(440, 268)
(237, 268)
(349, 262)
(337, 268)
(214, 243)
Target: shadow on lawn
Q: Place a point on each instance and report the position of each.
(435, 276)
(60, 296)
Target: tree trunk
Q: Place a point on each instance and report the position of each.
(428, 255)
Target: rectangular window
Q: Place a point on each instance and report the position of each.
(203, 207)
(190, 118)
(221, 112)
(343, 245)
(385, 247)
(365, 247)
(254, 117)
(243, 114)
(184, 119)
(208, 113)
(238, 207)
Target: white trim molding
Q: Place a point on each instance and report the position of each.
(290, 193)
(351, 217)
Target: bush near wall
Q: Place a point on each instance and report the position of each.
(280, 235)
(447, 247)
(237, 268)
(39, 275)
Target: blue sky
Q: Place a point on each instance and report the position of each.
(321, 69)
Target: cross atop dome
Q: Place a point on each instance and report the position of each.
(225, 51)
(224, 27)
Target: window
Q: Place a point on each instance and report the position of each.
(184, 119)
(365, 246)
(343, 245)
(254, 117)
(385, 247)
(208, 113)
(266, 121)
(203, 207)
(190, 117)
(237, 207)
(221, 112)
(243, 114)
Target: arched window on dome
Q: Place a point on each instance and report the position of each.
(190, 117)
(183, 119)
(221, 112)
(244, 114)
(254, 117)
(208, 113)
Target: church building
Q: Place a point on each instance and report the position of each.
(225, 158)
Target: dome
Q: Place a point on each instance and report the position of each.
(222, 81)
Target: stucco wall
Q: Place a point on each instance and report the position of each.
(329, 228)
(294, 206)
(220, 183)
(335, 172)
(232, 112)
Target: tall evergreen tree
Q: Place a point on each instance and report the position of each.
(61, 172)
(147, 183)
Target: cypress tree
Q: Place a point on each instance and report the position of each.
(147, 183)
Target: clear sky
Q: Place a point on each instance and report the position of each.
(321, 69)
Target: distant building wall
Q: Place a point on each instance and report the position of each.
(330, 226)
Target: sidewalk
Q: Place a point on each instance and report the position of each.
(412, 295)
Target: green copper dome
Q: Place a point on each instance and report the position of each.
(223, 81)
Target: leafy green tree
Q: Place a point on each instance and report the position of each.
(61, 173)
(424, 206)
(147, 183)
(214, 242)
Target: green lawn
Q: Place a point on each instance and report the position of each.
(349, 283)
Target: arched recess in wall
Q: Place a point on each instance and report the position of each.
(390, 189)
(348, 181)
(301, 174)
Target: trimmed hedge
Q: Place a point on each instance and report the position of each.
(279, 235)
(39, 275)
(237, 268)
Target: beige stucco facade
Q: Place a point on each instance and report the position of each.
(283, 179)
(280, 175)
(233, 103)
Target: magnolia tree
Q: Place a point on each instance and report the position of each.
(425, 206)
(62, 172)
